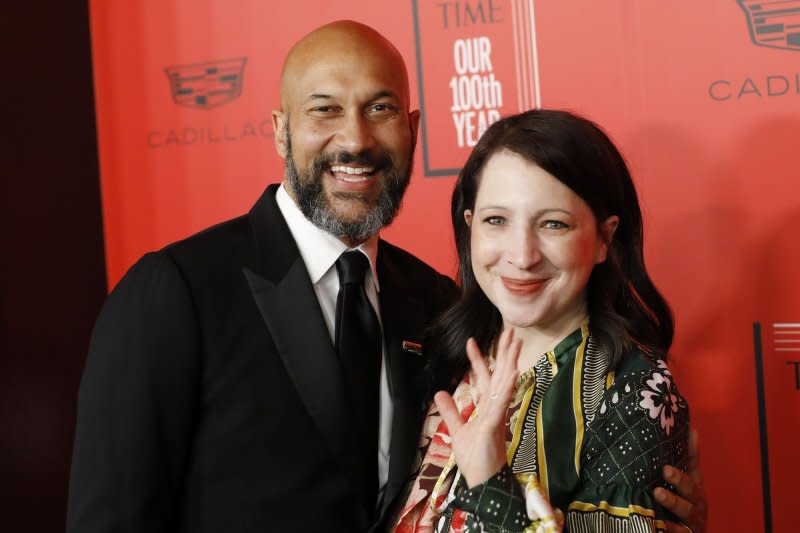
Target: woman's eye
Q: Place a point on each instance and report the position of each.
(554, 224)
(495, 220)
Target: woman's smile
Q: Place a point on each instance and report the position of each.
(523, 287)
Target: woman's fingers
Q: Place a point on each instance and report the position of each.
(449, 411)
(479, 366)
(479, 444)
(508, 355)
(505, 371)
(496, 387)
(503, 379)
(503, 344)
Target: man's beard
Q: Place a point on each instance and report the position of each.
(309, 192)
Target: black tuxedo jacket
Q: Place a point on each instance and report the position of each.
(212, 398)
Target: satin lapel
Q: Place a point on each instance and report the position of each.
(285, 297)
(291, 313)
(403, 320)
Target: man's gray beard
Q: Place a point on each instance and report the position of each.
(311, 200)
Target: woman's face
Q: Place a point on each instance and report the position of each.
(534, 244)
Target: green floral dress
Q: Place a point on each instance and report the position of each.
(585, 449)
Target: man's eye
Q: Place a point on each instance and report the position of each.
(383, 108)
(325, 110)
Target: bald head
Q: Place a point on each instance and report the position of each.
(334, 44)
(345, 130)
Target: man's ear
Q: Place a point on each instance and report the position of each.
(606, 230)
(279, 128)
(413, 121)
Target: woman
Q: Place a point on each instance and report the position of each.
(570, 417)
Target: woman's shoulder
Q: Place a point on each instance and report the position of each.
(636, 369)
(643, 383)
(639, 360)
(642, 404)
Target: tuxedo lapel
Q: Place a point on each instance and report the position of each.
(298, 331)
(288, 304)
(403, 320)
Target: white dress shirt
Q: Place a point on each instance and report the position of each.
(320, 250)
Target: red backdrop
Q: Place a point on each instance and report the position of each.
(702, 97)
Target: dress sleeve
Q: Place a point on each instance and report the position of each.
(641, 425)
(498, 504)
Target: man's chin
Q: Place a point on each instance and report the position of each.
(355, 213)
(350, 206)
(349, 197)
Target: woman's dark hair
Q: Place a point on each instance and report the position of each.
(625, 308)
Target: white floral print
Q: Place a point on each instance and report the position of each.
(660, 400)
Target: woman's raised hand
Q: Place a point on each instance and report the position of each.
(479, 444)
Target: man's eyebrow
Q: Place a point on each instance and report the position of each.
(385, 94)
(376, 96)
(318, 96)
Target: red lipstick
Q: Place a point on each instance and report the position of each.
(522, 287)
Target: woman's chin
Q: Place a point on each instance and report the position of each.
(520, 319)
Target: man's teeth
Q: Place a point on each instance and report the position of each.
(357, 171)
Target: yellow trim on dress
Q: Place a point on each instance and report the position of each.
(516, 437)
(577, 404)
(551, 358)
(622, 512)
(541, 458)
(609, 380)
(541, 455)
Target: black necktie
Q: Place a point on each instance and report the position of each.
(358, 344)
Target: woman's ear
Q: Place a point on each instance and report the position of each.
(606, 230)
(468, 217)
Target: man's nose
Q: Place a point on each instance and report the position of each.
(355, 135)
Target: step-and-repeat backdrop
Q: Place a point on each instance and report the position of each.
(703, 97)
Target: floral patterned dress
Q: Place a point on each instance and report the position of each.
(585, 449)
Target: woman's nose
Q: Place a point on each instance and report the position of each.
(523, 249)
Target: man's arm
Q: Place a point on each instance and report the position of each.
(690, 503)
(136, 405)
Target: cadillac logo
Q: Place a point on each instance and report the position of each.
(773, 23)
(206, 85)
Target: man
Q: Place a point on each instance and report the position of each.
(218, 394)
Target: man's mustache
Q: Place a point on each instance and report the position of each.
(380, 161)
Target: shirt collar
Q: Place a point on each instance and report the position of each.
(318, 248)
(568, 347)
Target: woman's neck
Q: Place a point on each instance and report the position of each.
(538, 339)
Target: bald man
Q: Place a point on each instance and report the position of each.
(215, 398)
